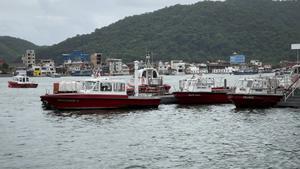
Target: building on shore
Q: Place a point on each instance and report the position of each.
(29, 58)
(96, 60)
(164, 68)
(77, 63)
(178, 67)
(115, 67)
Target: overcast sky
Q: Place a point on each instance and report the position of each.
(46, 22)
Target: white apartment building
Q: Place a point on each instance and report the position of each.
(29, 58)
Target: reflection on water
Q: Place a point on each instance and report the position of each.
(172, 136)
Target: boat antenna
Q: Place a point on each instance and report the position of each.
(148, 64)
(136, 74)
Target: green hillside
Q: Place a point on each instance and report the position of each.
(260, 29)
(11, 49)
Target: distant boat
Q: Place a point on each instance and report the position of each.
(21, 81)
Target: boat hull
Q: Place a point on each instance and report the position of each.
(95, 101)
(254, 101)
(12, 84)
(201, 97)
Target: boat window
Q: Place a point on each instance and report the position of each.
(27, 79)
(88, 85)
(296, 71)
(105, 87)
(249, 83)
(119, 87)
(96, 86)
(144, 74)
(154, 74)
(23, 79)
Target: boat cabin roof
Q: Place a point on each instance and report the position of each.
(148, 72)
(296, 69)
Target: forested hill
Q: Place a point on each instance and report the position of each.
(11, 49)
(261, 29)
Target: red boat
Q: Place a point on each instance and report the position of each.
(200, 90)
(95, 94)
(21, 81)
(257, 93)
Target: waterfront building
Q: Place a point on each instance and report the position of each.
(77, 62)
(29, 58)
(218, 67)
(96, 59)
(114, 66)
(177, 67)
(202, 68)
(192, 69)
(256, 63)
(47, 67)
(237, 59)
(164, 68)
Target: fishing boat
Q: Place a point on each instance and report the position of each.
(261, 92)
(201, 90)
(149, 81)
(96, 93)
(21, 81)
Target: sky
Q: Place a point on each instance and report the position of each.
(47, 22)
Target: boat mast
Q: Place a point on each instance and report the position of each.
(148, 64)
(136, 74)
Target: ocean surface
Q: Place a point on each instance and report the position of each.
(172, 136)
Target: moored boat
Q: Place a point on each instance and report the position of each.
(149, 81)
(21, 81)
(96, 93)
(201, 90)
(257, 93)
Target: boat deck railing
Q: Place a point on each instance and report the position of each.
(291, 89)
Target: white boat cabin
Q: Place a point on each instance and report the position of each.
(148, 76)
(21, 79)
(95, 86)
(295, 73)
(258, 86)
(197, 84)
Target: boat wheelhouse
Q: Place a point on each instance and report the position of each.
(201, 90)
(21, 81)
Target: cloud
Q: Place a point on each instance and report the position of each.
(46, 22)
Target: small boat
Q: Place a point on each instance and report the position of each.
(96, 93)
(261, 92)
(21, 81)
(149, 81)
(201, 90)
